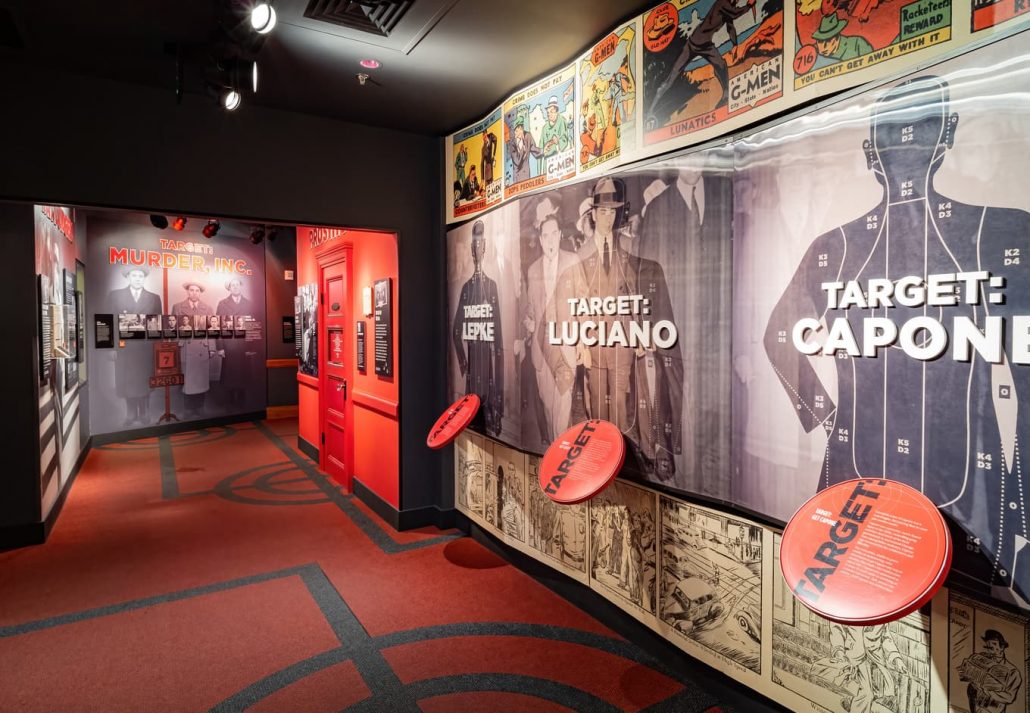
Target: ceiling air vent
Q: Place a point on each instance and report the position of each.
(378, 17)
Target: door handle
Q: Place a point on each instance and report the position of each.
(343, 387)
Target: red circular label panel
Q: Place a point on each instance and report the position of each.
(582, 461)
(453, 421)
(866, 551)
(660, 27)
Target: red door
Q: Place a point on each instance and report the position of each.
(335, 371)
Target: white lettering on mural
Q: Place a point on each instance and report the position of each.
(473, 331)
(632, 333)
(923, 337)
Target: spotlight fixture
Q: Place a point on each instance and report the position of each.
(211, 229)
(159, 221)
(257, 234)
(231, 100)
(179, 224)
(370, 63)
(262, 18)
(272, 234)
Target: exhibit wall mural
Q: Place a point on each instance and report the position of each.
(687, 71)
(187, 338)
(836, 296)
(63, 431)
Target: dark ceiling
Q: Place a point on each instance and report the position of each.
(445, 64)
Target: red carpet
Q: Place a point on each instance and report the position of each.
(217, 570)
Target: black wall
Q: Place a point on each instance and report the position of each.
(85, 141)
(280, 256)
(19, 484)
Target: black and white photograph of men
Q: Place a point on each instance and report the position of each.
(238, 368)
(196, 353)
(185, 325)
(133, 364)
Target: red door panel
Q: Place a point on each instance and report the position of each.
(337, 452)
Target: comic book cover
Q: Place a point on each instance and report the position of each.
(708, 60)
(835, 37)
(476, 161)
(991, 13)
(608, 95)
(539, 147)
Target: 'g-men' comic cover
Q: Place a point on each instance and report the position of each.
(539, 148)
(476, 166)
(708, 60)
(608, 96)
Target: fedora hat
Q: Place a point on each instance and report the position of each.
(830, 27)
(609, 193)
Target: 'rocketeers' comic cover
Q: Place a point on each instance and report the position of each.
(539, 147)
(836, 37)
(708, 60)
(608, 96)
(476, 166)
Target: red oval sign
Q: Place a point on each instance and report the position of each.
(866, 551)
(453, 421)
(582, 462)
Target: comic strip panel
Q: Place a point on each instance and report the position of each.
(708, 60)
(539, 148)
(710, 589)
(623, 547)
(505, 500)
(608, 96)
(988, 651)
(470, 463)
(846, 669)
(559, 532)
(842, 36)
(476, 166)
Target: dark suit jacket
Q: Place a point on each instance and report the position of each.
(133, 365)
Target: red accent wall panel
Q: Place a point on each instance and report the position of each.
(376, 434)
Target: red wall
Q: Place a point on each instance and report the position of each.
(376, 399)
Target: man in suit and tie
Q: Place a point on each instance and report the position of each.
(685, 226)
(555, 366)
(196, 353)
(132, 364)
(237, 369)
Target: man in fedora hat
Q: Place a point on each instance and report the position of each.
(237, 371)
(993, 680)
(196, 353)
(829, 42)
(520, 148)
(479, 349)
(132, 364)
(555, 135)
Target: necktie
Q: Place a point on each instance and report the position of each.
(607, 257)
(695, 211)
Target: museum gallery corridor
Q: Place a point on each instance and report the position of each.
(218, 570)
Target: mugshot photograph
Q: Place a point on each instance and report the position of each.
(170, 326)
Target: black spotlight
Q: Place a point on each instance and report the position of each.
(159, 221)
(211, 229)
(257, 234)
(273, 233)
